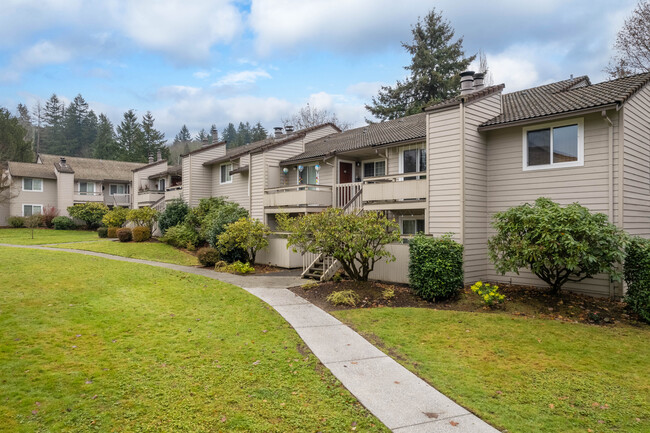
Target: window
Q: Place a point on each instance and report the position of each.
(31, 184)
(308, 176)
(32, 209)
(552, 145)
(412, 226)
(117, 189)
(161, 184)
(413, 160)
(86, 188)
(374, 168)
(225, 173)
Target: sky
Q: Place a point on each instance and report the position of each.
(204, 62)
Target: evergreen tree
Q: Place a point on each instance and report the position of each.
(258, 132)
(25, 120)
(130, 138)
(38, 113)
(105, 145)
(73, 121)
(154, 140)
(89, 129)
(54, 138)
(13, 143)
(243, 134)
(436, 63)
(183, 136)
(229, 135)
(202, 135)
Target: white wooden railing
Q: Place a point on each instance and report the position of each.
(345, 192)
(121, 199)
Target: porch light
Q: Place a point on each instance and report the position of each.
(285, 170)
(317, 167)
(301, 168)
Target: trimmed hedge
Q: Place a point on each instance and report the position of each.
(63, 223)
(16, 222)
(112, 232)
(124, 235)
(637, 277)
(208, 256)
(141, 234)
(102, 232)
(435, 267)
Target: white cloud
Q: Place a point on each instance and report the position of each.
(364, 89)
(201, 75)
(39, 54)
(242, 77)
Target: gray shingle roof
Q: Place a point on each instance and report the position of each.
(29, 169)
(90, 169)
(564, 97)
(376, 134)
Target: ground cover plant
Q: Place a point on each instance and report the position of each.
(155, 251)
(115, 346)
(521, 374)
(44, 236)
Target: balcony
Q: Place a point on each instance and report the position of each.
(298, 196)
(85, 197)
(173, 193)
(406, 190)
(123, 200)
(149, 196)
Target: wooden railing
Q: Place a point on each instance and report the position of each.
(121, 199)
(298, 195)
(345, 192)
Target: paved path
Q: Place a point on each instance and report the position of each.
(397, 397)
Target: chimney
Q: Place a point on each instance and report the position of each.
(288, 129)
(215, 135)
(205, 142)
(278, 131)
(466, 82)
(63, 163)
(159, 155)
(478, 81)
(150, 159)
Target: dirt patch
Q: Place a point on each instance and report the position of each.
(522, 301)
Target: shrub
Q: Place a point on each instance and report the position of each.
(221, 266)
(247, 234)
(388, 293)
(435, 267)
(637, 277)
(141, 234)
(144, 216)
(16, 222)
(181, 236)
(488, 293)
(63, 223)
(102, 232)
(208, 256)
(48, 214)
(174, 214)
(216, 221)
(89, 213)
(124, 234)
(241, 268)
(115, 217)
(558, 244)
(112, 232)
(343, 297)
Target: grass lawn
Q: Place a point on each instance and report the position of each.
(89, 344)
(44, 236)
(523, 375)
(155, 251)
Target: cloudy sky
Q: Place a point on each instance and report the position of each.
(199, 62)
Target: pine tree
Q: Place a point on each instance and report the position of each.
(54, 138)
(436, 63)
(229, 135)
(25, 120)
(89, 129)
(258, 132)
(105, 145)
(13, 144)
(202, 135)
(183, 136)
(154, 140)
(243, 134)
(130, 138)
(73, 121)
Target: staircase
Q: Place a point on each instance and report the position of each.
(159, 204)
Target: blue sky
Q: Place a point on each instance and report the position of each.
(199, 62)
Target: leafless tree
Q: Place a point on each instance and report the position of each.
(308, 116)
(483, 67)
(632, 44)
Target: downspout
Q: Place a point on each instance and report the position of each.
(462, 171)
(610, 178)
(189, 192)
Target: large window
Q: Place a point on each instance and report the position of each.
(412, 226)
(308, 176)
(117, 189)
(374, 168)
(225, 173)
(413, 159)
(32, 184)
(32, 209)
(553, 145)
(87, 188)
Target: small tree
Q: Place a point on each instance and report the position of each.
(558, 244)
(144, 216)
(90, 213)
(115, 217)
(174, 213)
(246, 233)
(356, 241)
(33, 221)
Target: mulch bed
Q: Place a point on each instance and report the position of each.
(524, 301)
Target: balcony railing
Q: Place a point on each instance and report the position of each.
(396, 187)
(298, 196)
(85, 196)
(121, 199)
(173, 192)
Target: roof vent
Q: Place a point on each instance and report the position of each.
(288, 129)
(466, 82)
(150, 159)
(278, 131)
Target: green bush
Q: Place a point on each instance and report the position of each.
(16, 222)
(144, 216)
(124, 234)
(63, 223)
(244, 234)
(89, 213)
(637, 277)
(241, 268)
(115, 217)
(216, 221)
(343, 297)
(112, 232)
(174, 214)
(208, 256)
(102, 232)
(181, 236)
(435, 267)
(141, 234)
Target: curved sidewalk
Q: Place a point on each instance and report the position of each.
(397, 397)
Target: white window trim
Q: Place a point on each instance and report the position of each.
(411, 218)
(94, 191)
(33, 190)
(374, 161)
(298, 174)
(28, 204)
(116, 185)
(581, 145)
(227, 173)
(400, 153)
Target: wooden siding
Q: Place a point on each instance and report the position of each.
(237, 190)
(19, 197)
(65, 187)
(141, 181)
(258, 182)
(636, 175)
(509, 185)
(197, 178)
(319, 133)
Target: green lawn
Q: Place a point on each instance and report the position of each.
(44, 236)
(89, 344)
(158, 252)
(523, 375)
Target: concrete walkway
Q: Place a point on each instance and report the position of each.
(397, 397)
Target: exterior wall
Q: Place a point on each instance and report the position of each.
(636, 167)
(237, 190)
(65, 187)
(509, 185)
(197, 178)
(141, 181)
(277, 254)
(319, 133)
(394, 272)
(257, 173)
(4, 199)
(46, 198)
